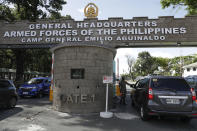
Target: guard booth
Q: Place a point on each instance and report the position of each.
(78, 77)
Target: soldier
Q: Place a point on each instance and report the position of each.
(123, 90)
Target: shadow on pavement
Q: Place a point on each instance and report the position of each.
(30, 102)
(112, 124)
(5, 113)
(172, 123)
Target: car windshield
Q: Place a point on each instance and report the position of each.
(4, 84)
(171, 84)
(35, 81)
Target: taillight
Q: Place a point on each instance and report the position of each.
(193, 94)
(150, 94)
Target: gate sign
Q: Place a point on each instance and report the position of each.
(107, 79)
(117, 32)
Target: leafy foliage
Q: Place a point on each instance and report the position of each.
(7, 59)
(35, 9)
(148, 65)
(32, 10)
(191, 5)
(6, 13)
(41, 60)
(144, 64)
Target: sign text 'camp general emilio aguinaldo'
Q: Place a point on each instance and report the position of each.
(115, 31)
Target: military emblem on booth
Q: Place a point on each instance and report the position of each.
(91, 10)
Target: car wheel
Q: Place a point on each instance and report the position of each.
(143, 114)
(12, 102)
(185, 119)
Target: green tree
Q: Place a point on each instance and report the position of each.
(6, 13)
(35, 9)
(144, 64)
(162, 65)
(191, 5)
(177, 63)
(176, 66)
(38, 60)
(31, 10)
(7, 59)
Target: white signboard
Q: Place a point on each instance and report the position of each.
(107, 79)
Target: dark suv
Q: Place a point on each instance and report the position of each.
(164, 96)
(8, 95)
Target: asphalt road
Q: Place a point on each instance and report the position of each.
(33, 114)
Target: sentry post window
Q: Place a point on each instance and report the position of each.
(77, 73)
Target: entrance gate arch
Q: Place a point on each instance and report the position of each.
(84, 50)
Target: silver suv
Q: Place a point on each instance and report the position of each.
(165, 96)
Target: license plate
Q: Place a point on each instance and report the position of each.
(172, 101)
(25, 93)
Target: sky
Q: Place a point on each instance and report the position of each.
(129, 9)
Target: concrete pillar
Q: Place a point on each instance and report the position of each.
(78, 77)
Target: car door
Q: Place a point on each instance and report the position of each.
(4, 91)
(141, 91)
(135, 94)
(138, 88)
